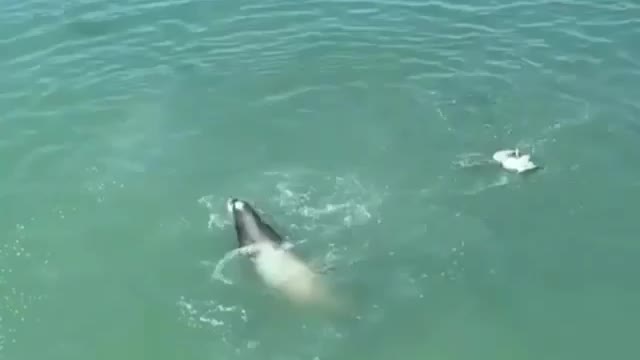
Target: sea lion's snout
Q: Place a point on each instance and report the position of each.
(235, 204)
(249, 226)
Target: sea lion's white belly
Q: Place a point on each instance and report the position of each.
(283, 271)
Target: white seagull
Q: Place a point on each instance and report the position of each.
(513, 161)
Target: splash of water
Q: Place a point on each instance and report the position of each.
(220, 265)
(215, 218)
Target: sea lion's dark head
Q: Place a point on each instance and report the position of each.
(250, 228)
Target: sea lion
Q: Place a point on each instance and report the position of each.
(275, 264)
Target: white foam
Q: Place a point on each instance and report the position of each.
(209, 313)
(216, 218)
(217, 272)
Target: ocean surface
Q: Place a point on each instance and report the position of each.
(363, 130)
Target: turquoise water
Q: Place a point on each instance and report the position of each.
(362, 128)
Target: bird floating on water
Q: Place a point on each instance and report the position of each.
(513, 161)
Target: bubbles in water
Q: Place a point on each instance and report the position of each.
(193, 317)
(99, 184)
(15, 301)
(333, 203)
(455, 266)
(210, 314)
(217, 216)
